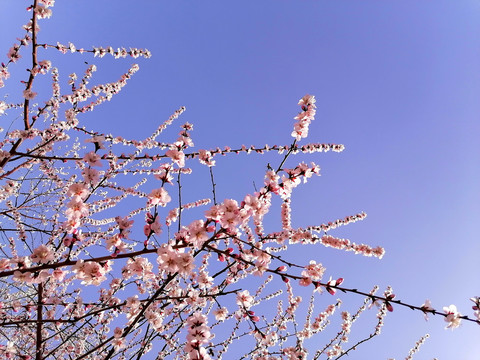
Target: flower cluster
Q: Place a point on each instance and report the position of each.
(76, 208)
(91, 272)
(174, 261)
(345, 244)
(198, 335)
(305, 117)
(312, 272)
(74, 202)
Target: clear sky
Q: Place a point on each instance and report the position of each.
(397, 82)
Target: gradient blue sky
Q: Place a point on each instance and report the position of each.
(397, 82)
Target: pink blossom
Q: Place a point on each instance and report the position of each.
(140, 267)
(4, 264)
(25, 277)
(172, 216)
(42, 12)
(168, 259)
(197, 234)
(206, 157)
(3, 107)
(124, 225)
(13, 54)
(453, 317)
(4, 74)
(91, 273)
(42, 254)
(78, 189)
(98, 141)
(159, 197)
(91, 176)
(92, 159)
(29, 94)
(221, 313)
(76, 209)
(113, 242)
(244, 299)
(426, 308)
(118, 343)
(59, 274)
(165, 173)
(177, 156)
(304, 118)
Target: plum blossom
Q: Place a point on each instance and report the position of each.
(114, 241)
(78, 189)
(172, 216)
(177, 156)
(244, 299)
(426, 308)
(140, 267)
(59, 274)
(91, 273)
(198, 334)
(159, 197)
(476, 307)
(304, 118)
(333, 283)
(76, 209)
(13, 54)
(42, 254)
(152, 226)
(124, 225)
(453, 317)
(220, 314)
(171, 261)
(3, 107)
(42, 12)
(4, 264)
(29, 94)
(91, 176)
(92, 159)
(165, 173)
(313, 270)
(98, 141)
(206, 157)
(197, 234)
(21, 276)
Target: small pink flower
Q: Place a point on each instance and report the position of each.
(426, 308)
(92, 159)
(78, 189)
(159, 197)
(76, 209)
(42, 254)
(453, 317)
(221, 314)
(58, 274)
(29, 94)
(244, 299)
(42, 12)
(13, 54)
(91, 176)
(177, 156)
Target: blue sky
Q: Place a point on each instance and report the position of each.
(397, 82)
